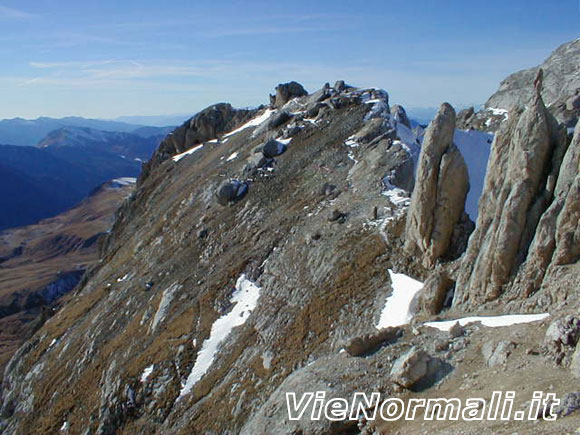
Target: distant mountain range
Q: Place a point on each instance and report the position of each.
(19, 131)
(68, 163)
(155, 121)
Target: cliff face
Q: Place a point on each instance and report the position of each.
(522, 173)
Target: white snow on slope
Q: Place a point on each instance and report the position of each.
(146, 373)
(397, 310)
(245, 298)
(124, 181)
(178, 157)
(232, 156)
(254, 122)
(498, 112)
(409, 141)
(490, 321)
(475, 146)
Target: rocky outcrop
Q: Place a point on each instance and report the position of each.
(560, 82)
(285, 92)
(399, 114)
(465, 118)
(557, 236)
(204, 126)
(441, 187)
(519, 187)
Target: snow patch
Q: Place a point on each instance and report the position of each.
(190, 151)
(147, 372)
(498, 112)
(122, 182)
(254, 122)
(397, 310)
(489, 321)
(232, 156)
(245, 298)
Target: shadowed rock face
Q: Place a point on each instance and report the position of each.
(519, 187)
(441, 187)
(285, 92)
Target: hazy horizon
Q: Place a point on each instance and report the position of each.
(112, 59)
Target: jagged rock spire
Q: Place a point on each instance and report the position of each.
(441, 187)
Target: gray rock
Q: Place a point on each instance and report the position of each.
(278, 119)
(441, 187)
(557, 236)
(573, 103)
(497, 353)
(456, 330)
(464, 118)
(371, 130)
(575, 363)
(432, 297)
(231, 191)
(340, 86)
(562, 336)
(519, 185)
(371, 342)
(410, 368)
(337, 216)
(286, 91)
(206, 125)
(560, 80)
(399, 114)
(568, 404)
(273, 148)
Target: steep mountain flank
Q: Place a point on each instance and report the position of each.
(311, 234)
(40, 263)
(283, 249)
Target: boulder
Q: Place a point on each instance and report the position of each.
(465, 117)
(562, 336)
(278, 119)
(340, 86)
(432, 297)
(497, 353)
(399, 114)
(273, 148)
(371, 130)
(410, 368)
(369, 343)
(231, 191)
(337, 216)
(441, 187)
(287, 91)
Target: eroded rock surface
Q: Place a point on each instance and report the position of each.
(441, 187)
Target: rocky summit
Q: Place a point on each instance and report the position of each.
(320, 244)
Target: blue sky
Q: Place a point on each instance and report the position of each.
(111, 58)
